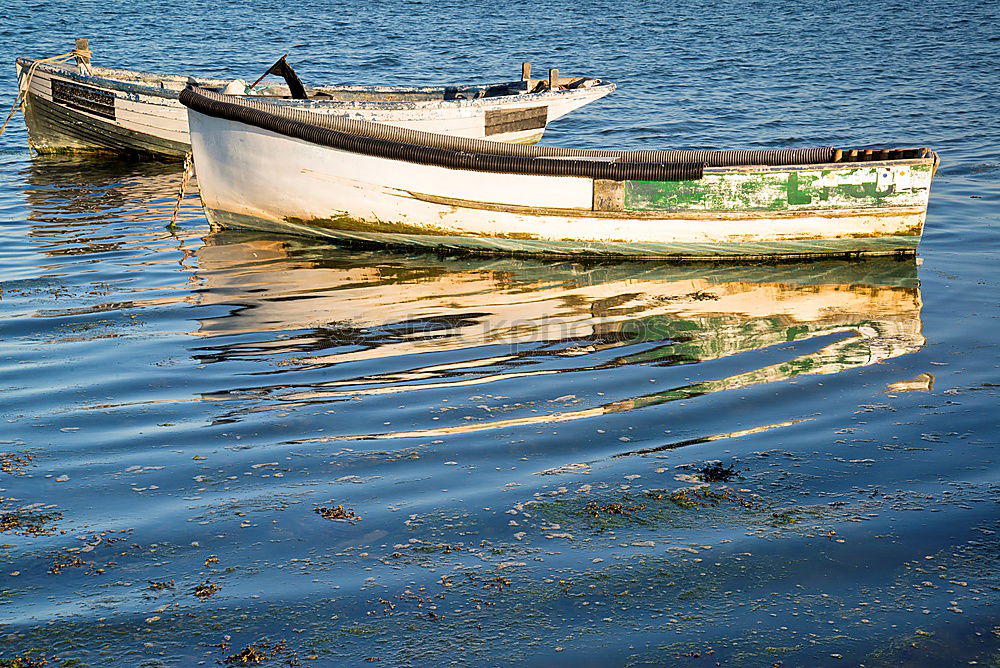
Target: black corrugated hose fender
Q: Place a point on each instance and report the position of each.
(711, 158)
(616, 170)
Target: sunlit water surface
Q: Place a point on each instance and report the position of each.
(516, 445)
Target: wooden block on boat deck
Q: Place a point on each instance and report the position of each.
(82, 45)
(525, 71)
(572, 82)
(553, 79)
(609, 195)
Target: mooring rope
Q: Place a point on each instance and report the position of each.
(24, 84)
(188, 171)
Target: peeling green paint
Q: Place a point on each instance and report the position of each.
(797, 189)
(794, 194)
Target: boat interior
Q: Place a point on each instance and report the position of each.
(360, 94)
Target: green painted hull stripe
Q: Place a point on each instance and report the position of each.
(851, 187)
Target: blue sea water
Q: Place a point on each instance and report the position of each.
(517, 448)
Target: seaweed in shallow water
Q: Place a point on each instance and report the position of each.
(714, 471)
(338, 513)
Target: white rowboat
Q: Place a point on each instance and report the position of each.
(72, 107)
(266, 167)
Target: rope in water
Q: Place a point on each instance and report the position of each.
(188, 171)
(24, 83)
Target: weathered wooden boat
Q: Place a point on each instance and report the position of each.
(79, 107)
(266, 167)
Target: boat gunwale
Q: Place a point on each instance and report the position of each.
(601, 88)
(112, 84)
(419, 147)
(248, 112)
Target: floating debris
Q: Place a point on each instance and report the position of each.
(28, 522)
(566, 468)
(339, 513)
(23, 662)
(596, 510)
(259, 652)
(160, 586)
(698, 497)
(206, 589)
(714, 471)
(497, 583)
(14, 464)
(922, 383)
(247, 656)
(63, 561)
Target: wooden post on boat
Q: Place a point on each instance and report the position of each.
(553, 79)
(526, 77)
(82, 55)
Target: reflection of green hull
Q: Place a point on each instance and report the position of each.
(865, 346)
(712, 338)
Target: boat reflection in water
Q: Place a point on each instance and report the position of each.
(371, 324)
(105, 227)
(76, 195)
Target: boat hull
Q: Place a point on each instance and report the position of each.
(54, 128)
(258, 179)
(66, 111)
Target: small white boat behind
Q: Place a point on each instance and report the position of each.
(79, 107)
(272, 168)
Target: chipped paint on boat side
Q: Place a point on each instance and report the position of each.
(847, 187)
